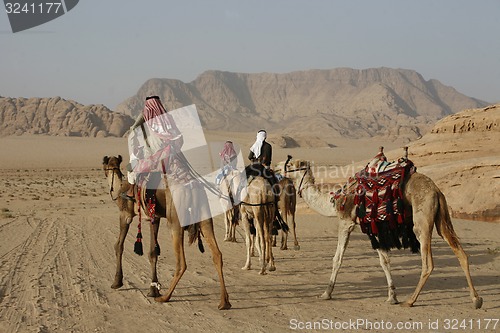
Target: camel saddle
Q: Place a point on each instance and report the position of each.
(379, 202)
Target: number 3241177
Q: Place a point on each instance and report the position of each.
(470, 324)
(33, 8)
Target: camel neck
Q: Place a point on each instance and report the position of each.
(314, 198)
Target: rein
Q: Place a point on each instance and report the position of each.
(113, 181)
(269, 203)
(205, 183)
(299, 189)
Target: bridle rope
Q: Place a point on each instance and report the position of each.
(307, 168)
(113, 181)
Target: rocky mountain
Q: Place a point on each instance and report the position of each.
(57, 116)
(462, 155)
(338, 102)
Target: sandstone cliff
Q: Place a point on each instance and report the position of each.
(56, 116)
(462, 155)
(472, 120)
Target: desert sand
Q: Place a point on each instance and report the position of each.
(58, 226)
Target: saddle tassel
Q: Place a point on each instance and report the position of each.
(138, 242)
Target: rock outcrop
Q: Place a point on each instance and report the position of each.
(472, 120)
(462, 155)
(57, 116)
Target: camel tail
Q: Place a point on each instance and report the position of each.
(194, 232)
(444, 227)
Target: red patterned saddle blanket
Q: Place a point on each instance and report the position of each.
(379, 199)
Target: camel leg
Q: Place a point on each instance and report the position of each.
(154, 289)
(284, 239)
(252, 245)
(295, 241)
(180, 265)
(386, 266)
(248, 241)
(261, 244)
(464, 263)
(233, 230)
(345, 229)
(125, 221)
(284, 235)
(227, 220)
(423, 231)
(296, 245)
(207, 230)
(268, 247)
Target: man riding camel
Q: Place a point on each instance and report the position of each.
(164, 139)
(261, 153)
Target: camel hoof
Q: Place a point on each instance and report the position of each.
(296, 247)
(117, 285)
(263, 272)
(284, 248)
(162, 299)
(225, 306)
(406, 305)
(272, 268)
(325, 296)
(478, 302)
(245, 268)
(392, 301)
(154, 292)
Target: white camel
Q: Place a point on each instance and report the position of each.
(421, 197)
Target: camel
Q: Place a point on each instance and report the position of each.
(164, 209)
(422, 200)
(227, 187)
(111, 166)
(258, 211)
(287, 205)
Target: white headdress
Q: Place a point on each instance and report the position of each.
(256, 147)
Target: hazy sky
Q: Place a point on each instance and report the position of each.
(101, 52)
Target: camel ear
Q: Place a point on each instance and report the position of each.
(105, 160)
(120, 159)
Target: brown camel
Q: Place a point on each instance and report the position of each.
(164, 200)
(258, 211)
(422, 199)
(287, 206)
(228, 187)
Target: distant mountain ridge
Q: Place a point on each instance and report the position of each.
(57, 116)
(337, 102)
(303, 107)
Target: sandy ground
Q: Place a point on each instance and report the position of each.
(58, 227)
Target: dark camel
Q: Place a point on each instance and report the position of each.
(287, 206)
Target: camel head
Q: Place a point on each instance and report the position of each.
(111, 167)
(298, 171)
(111, 163)
(293, 169)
